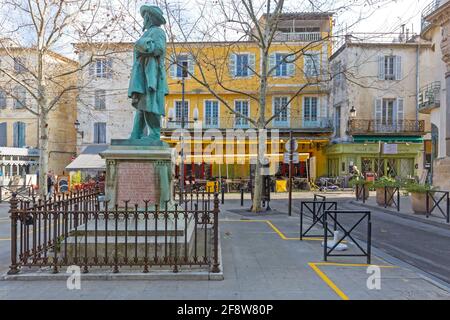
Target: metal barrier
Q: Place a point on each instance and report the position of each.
(21, 191)
(361, 193)
(438, 202)
(74, 230)
(392, 197)
(318, 196)
(334, 214)
(317, 209)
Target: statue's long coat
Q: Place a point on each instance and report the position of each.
(148, 76)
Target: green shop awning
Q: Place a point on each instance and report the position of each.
(387, 139)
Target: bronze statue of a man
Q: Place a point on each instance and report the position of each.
(148, 83)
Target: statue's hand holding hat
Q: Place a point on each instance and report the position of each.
(155, 12)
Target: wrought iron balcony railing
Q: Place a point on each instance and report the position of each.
(311, 123)
(430, 97)
(429, 9)
(381, 127)
(298, 36)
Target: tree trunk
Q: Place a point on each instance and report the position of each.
(43, 156)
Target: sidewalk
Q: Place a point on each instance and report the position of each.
(436, 218)
(262, 259)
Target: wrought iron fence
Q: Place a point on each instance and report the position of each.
(358, 126)
(77, 229)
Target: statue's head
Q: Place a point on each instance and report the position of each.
(153, 16)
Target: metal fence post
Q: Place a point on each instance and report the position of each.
(13, 269)
(242, 196)
(448, 207)
(215, 268)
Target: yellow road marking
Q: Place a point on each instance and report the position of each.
(277, 231)
(328, 281)
(5, 239)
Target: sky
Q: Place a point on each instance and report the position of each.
(392, 16)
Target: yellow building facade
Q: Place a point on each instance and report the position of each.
(226, 77)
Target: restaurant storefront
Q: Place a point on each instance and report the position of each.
(402, 159)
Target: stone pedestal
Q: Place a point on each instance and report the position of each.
(138, 173)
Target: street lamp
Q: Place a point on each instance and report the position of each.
(353, 112)
(172, 119)
(77, 128)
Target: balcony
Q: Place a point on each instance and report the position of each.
(429, 9)
(298, 36)
(301, 124)
(430, 97)
(378, 127)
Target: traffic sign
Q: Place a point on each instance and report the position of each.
(295, 158)
(288, 144)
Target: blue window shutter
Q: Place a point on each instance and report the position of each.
(378, 109)
(272, 61)
(291, 66)
(398, 68)
(92, 67)
(110, 68)
(22, 132)
(173, 67)
(191, 65)
(2, 99)
(252, 63)
(232, 65)
(381, 69)
(16, 134)
(3, 134)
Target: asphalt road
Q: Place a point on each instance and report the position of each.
(419, 244)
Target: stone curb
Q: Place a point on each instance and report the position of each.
(125, 276)
(401, 214)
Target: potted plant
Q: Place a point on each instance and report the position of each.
(360, 183)
(419, 193)
(385, 188)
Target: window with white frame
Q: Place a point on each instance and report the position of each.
(100, 132)
(182, 66)
(100, 99)
(241, 107)
(102, 68)
(390, 67)
(181, 112)
(281, 110)
(312, 64)
(242, 65)
(282, 64)
(211, 113)
(389, 113)
(310, 109)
